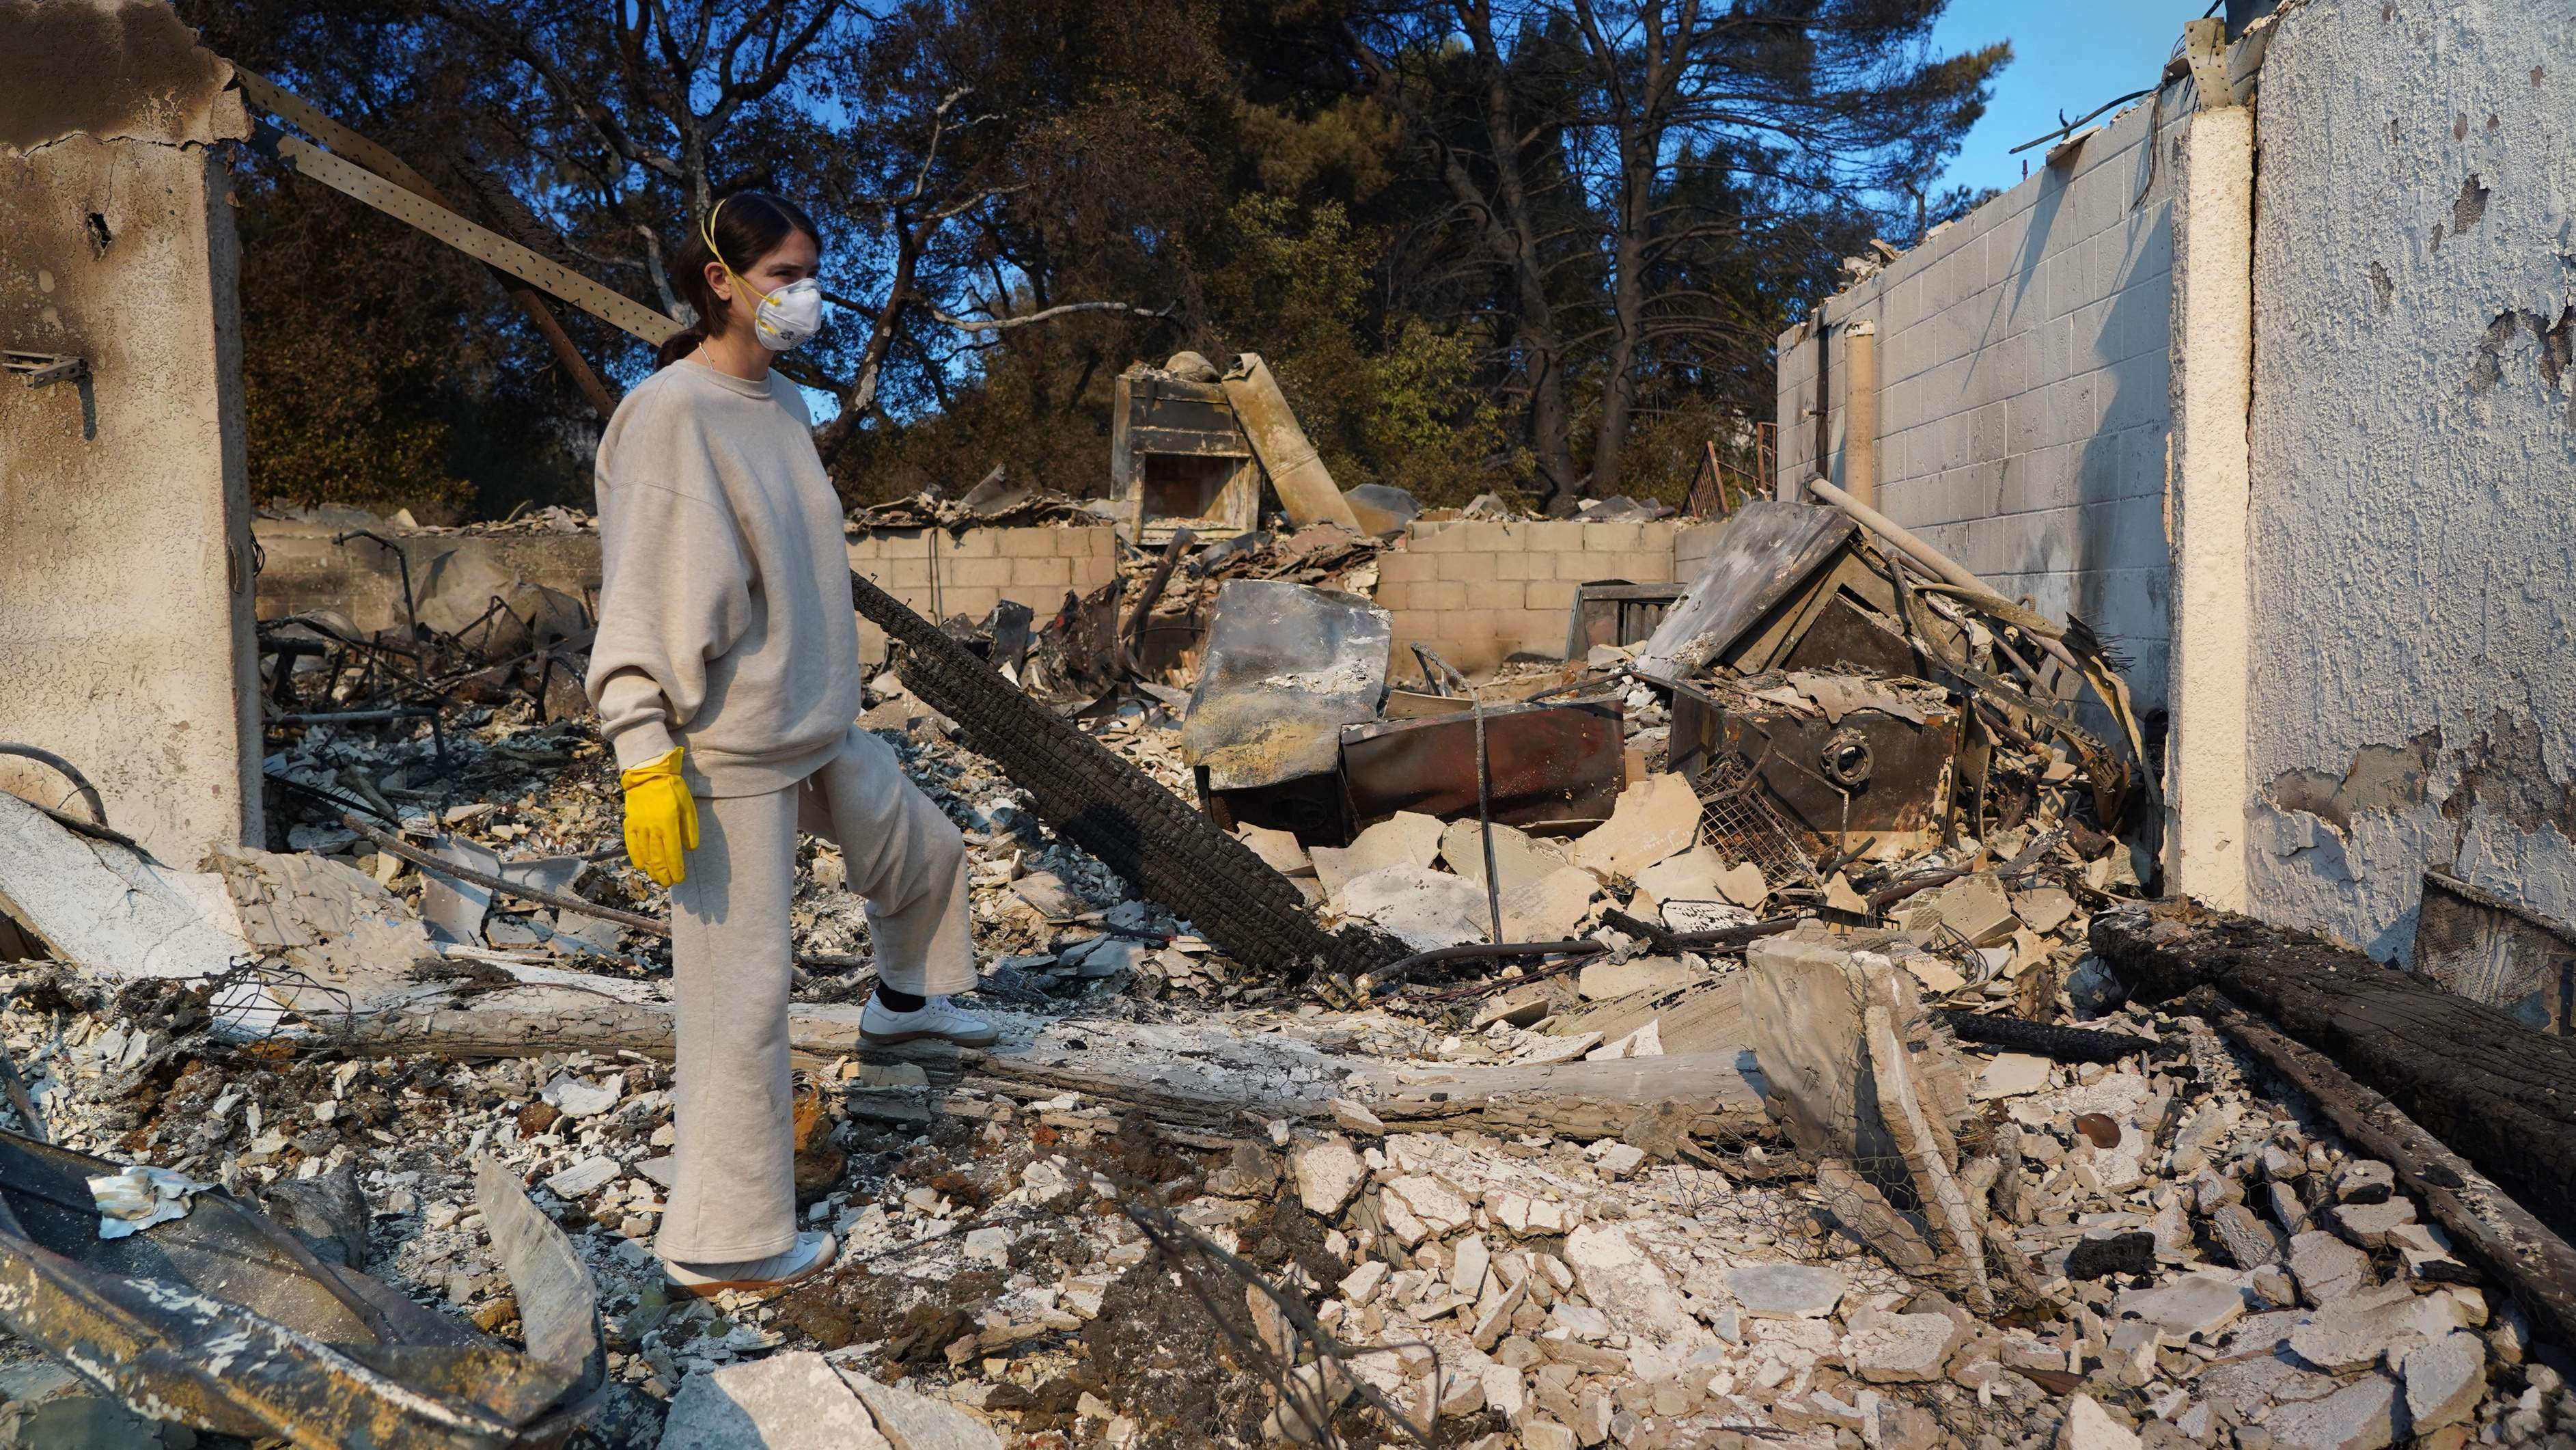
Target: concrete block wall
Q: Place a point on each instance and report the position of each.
(2023, 380)
(1481, 591)
(942, 575)
(1692, 544)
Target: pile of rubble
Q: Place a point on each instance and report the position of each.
(1701, 1067)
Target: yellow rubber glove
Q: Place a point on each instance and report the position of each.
(661, 819)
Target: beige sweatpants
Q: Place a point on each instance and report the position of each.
(733, 1193)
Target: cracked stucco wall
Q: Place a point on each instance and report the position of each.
(125, 598)
(2413, 682)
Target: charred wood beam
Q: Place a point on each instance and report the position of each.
(2499, 1094)
(2498, 1233)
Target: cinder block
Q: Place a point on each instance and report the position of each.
(977, 544)
(1087, 543)
(1440, 538)
(913, 573)
(1052, 573)
(1556, 595)
(972, 602)
(1028, 543)
(1494, 594)
(1393, 595)
(1440, 594)
(1521, 564)
(1611, 538)
(1485, 536)
(973, 572)
(1554, 535)
(1405, 567)
(1644, 566)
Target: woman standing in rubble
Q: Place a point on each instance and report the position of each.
(726, 674)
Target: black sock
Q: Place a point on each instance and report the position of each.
(898, 1001)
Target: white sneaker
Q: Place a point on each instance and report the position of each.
(937, 1017)
(811, 1254)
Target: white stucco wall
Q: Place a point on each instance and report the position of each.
(2414, 461)
(125, 588)
(2022, 357)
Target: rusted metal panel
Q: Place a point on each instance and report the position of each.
(1869, 774)
(1552, 764)
(1841, 637)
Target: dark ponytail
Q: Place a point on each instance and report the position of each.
(749, 225)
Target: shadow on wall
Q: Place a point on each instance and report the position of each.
(2113, 568)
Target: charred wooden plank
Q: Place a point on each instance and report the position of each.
(2499, 1094)
(2498, 1233)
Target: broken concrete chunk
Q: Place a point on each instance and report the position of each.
(1550, 908)
(2195, 1306)
(2011, 1075)
(1407, 838)
(2044, 910)
(1975, 908)
(2361, 1330)
(2326, 1267)
(2365, 1180)
(1420, 907)
(2368, 1224)
(2087, 1426)
(793, 1401)
(576, 1098)
(1439, 1208)
(1656, 818)
(1899, 1348)
(1328, 1174)
(2362, 1415)
(916, 1422)
(1519, 857)
(1691, 876)
(1785, 1291)
(2445, 1380)
(1623, 1282)
(1279, 850)
(584, 1178)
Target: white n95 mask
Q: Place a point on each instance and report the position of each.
(790, 316)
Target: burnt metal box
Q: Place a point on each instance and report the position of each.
(1870, 774)
(1555, 765)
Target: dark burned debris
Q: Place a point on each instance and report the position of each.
(1753, 1031)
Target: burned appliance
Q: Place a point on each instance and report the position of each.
(1850, 760)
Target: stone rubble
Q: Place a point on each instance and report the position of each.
(2203, 1267)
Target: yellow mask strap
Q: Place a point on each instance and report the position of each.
(707, 230)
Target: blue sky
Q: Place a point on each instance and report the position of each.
(2069, 57)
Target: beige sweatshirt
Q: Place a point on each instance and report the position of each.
(725, 622)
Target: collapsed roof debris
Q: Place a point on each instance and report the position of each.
(1700, 1069)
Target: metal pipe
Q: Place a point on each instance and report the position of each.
(80, 783)
(394, 845)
